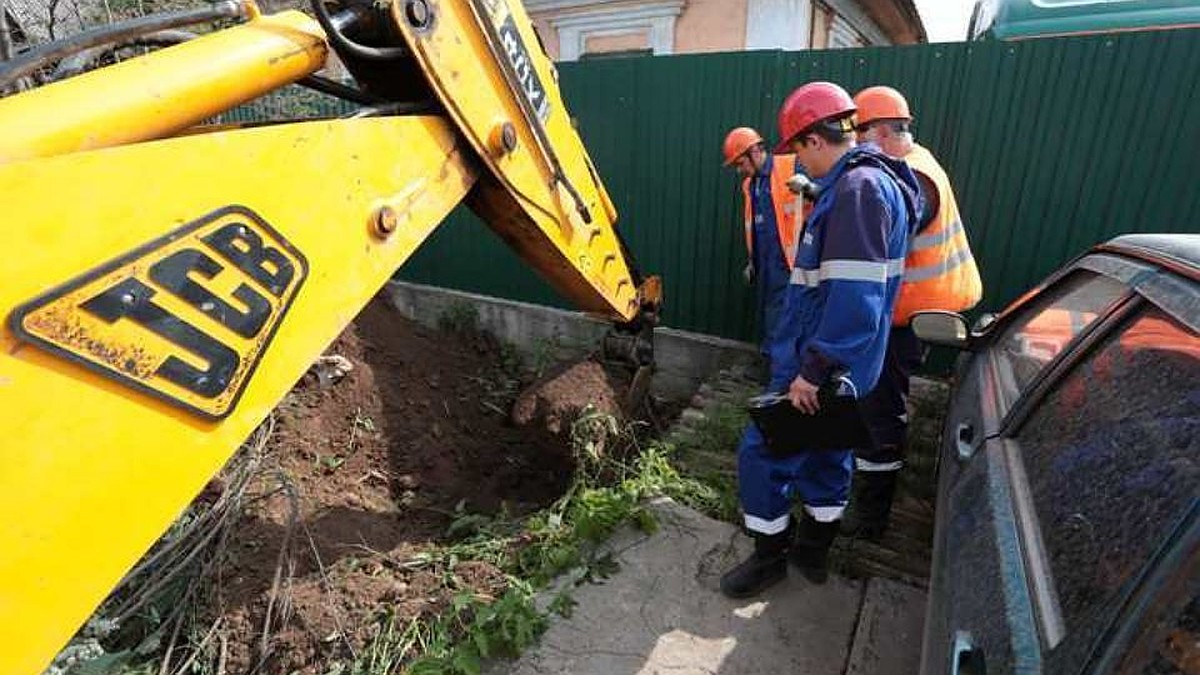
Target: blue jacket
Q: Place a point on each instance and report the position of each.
(849, 264)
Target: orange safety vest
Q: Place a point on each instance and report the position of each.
(783, 168)
(939, 270)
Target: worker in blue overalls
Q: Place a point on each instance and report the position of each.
(847, 271)
(769, 223)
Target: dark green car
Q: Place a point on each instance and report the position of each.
(1067, 538)
(1019, 19)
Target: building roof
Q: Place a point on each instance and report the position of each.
(897, 18)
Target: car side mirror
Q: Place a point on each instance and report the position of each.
(942, 328)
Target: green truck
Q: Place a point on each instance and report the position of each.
(1020, 19)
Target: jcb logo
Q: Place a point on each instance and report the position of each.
(185, 318)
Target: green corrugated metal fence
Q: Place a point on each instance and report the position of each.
(1053, 145)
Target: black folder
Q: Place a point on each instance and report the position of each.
(839, 424)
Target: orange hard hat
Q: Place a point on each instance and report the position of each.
(811, 103)
(881, 103)
(738, 142)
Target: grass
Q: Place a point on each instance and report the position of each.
(705, 458)
(459, 318)
(615, 476)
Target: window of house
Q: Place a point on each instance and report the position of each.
(596, 27)
(843, 35)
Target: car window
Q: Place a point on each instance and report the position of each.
(1112, 456)
(1044, 329)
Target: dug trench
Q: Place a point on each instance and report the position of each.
(373, 470)
(413, 480)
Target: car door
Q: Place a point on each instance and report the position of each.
(979, 606)
(1103, 470)
(1049, 530)
(1161, 633)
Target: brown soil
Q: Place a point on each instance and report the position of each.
(378, 463)
(557, 399)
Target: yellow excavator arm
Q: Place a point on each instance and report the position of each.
(166, 283)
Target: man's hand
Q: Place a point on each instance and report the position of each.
(803, 186)
(748, 273)
(803, 395)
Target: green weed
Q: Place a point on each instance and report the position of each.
(461, 318)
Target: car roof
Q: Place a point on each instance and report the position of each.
(1183, 250)
(1014, 19)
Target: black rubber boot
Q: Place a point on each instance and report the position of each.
(810, 551)
(870, 504)
(766, 567)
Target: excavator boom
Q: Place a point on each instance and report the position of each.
(167, 283)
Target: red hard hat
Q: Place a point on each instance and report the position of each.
(737, 142)
(881, 103)
(811, 103)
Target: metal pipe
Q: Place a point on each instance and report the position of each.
(36, 58)
(327, 86)
(79, 62)
(164, 92)
(334, 27)
(405, 108)
(348, 18)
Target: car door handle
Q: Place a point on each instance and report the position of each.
(964, 440)
(966, 658)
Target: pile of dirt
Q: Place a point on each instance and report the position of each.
(557, 399)
(376, 466)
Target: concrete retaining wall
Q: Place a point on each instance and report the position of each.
(685, 359)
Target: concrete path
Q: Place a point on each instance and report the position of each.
(662, 613)
(887, 640)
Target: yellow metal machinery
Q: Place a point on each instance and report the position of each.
(165, 284)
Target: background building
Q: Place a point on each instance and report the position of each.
(574, 29)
